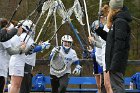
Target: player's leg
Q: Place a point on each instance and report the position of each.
(17, 74)
(97, 71)
(15, 84)
(107, 82)
(54, 83)
(63, 83)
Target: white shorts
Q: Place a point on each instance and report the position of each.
(16, 71)
(16, 66)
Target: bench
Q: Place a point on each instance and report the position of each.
(74, 81)
(85, 81)
(82, 81)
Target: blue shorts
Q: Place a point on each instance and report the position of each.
(97, 69)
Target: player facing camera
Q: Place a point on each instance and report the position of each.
(66, 42)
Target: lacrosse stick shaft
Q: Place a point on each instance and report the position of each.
(44, 33)
(55, 33)
(87, 20)
(30, 28)
(54, 14)
(75, 32)
(34, 20)
(56, 39)
(41, 29)
(14, 13)
(28, 33)
(99, 14)
(38, 19)
(49, 14)
(34, 11)
(29, 15)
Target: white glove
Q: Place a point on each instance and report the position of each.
(95, 24)
(45, 45)
(55, 51)
(96, 40)
(77, 70)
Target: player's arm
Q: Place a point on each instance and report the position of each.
(37, 48)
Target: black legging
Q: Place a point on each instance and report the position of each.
(59, 85)
(2, 83)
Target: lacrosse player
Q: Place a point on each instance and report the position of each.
(100, 45)
(5, 51)
(97, 69)
(61, 59)
(96, 55)
(18, 61)
(26, 84)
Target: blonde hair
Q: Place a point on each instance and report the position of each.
(105, 10)
(111, 14)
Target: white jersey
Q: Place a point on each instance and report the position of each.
(103, 54)
(4, 57)
(100, 52)
(30, 59)
(22, 58)
(19, 60)
(104, 48)
(68, 59)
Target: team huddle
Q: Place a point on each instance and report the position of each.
(110, 37)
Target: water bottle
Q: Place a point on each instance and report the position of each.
(131, 86)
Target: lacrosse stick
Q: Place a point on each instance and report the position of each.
(55, 33)
(43, 6)
(99, 13)
(87, 20)
(29, 15)
(54, 14)
(47, 28)
(57, 61)
(64, 14)
(52, 7)
(14, 13)
(30, 28)
(77, 9)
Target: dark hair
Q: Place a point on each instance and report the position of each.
(14, 22)
(3, 22)
(24, 31)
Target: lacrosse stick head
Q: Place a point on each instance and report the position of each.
(57, 62)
